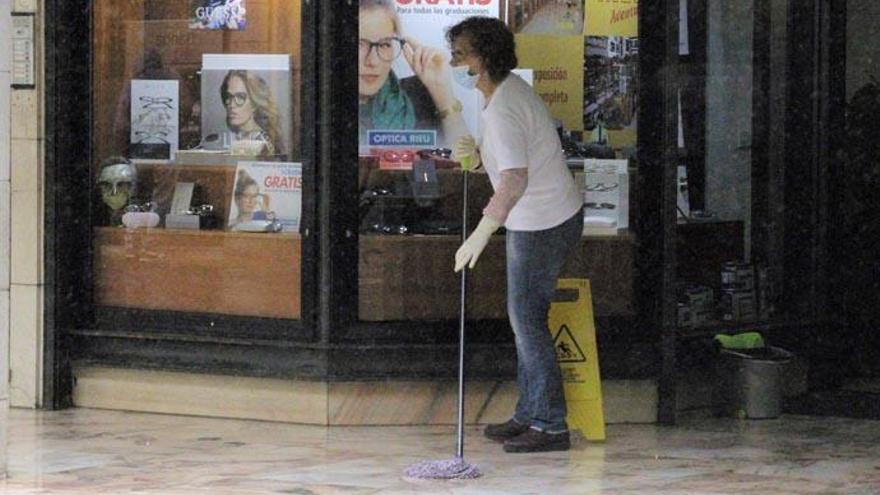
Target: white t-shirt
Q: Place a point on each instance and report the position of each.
(518, 132)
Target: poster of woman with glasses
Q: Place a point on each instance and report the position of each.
(404, 77)
(266, 197)
(246, 104)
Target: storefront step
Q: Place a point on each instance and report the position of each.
(334, 403)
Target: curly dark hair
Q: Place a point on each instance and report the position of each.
(491, 40)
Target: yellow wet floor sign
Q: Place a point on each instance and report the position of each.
(574, 335)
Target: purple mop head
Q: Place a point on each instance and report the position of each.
(447, 469)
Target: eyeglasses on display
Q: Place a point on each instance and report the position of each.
(398, 156)
(378, 191)
(137, 208)
(387, 49)
(156, 102)
(201, 210)
(386, 228)
(428, 154)
(601, 187)
(148, 135)
(600, 206)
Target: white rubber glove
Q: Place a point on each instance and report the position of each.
(473, 246)
(464, 151)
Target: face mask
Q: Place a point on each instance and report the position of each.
(115, 201)
(463, 76)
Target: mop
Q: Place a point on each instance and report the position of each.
(457, 467)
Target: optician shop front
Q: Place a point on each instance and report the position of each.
(222, 238)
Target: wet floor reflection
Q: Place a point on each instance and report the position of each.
(100, 452)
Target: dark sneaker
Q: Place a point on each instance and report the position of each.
(503, 431)
(538, 441)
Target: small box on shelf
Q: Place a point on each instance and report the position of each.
(606, 194)
(738, 305)
(181, 221)
(736, 275)
(696, 306)
(738, 300)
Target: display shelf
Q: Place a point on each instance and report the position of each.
(710, 329)
(412, 278)
(206, 271)
(213, 184)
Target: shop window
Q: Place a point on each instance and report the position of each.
(411, 190)
(196, 145)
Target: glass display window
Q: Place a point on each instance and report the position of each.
(410, 189)
(197, 172)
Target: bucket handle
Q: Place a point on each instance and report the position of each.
(783, 356)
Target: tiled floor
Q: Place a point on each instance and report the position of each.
(83, 451)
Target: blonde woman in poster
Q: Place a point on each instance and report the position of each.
(422, 101)
(251, 112)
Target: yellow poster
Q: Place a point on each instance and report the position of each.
(624, 138)
(558, 74)
(574, 336)
(611, 95)
(611, 18)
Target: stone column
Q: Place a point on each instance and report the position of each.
(26, 214)
(5, 188)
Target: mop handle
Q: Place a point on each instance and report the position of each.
(459, 452)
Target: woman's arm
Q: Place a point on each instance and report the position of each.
(513, 185)
(452, 121)
(431, 66)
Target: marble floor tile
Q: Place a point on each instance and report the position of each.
(83, 451)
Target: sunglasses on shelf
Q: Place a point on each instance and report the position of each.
(429, 154)
(398, 155)
(601, 187)
(138, 208)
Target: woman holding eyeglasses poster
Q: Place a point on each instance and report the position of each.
(422, 101)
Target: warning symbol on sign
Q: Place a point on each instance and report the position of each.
(567, 349)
